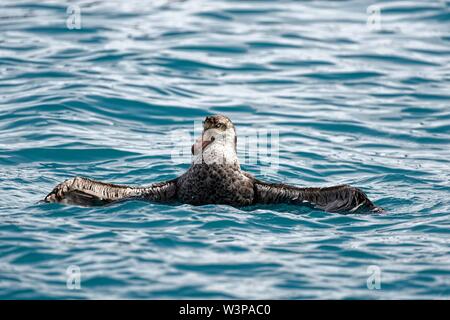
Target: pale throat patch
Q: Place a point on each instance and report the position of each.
(220, 151)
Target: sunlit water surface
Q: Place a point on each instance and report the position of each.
(350, 103)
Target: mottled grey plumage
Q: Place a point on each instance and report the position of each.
(210, 181)
(215, 184)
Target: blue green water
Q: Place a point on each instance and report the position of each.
(352, 104)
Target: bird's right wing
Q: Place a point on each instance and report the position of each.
(342, 198)
(87, 192)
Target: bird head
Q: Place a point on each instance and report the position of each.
(218, 139)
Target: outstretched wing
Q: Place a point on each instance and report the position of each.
(332, 199)
(87, 192)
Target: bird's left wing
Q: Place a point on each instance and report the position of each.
(87, 192)
(342, 198)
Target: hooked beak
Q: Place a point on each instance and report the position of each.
(201, 145)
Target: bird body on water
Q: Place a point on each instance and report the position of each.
(215, 177)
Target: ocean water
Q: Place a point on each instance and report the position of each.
(356, 94)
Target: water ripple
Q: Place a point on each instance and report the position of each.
(350, 105)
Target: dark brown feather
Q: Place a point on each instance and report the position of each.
(88, 192)
(342, 198)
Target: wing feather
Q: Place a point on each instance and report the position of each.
(87, 192)
(332, 199)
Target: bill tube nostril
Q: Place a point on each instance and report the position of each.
(201, 145)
